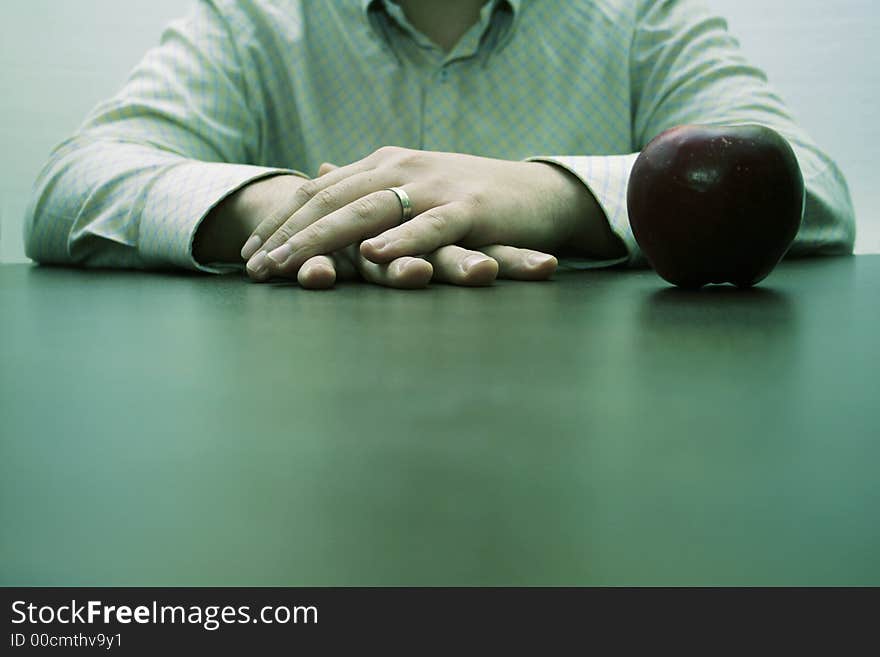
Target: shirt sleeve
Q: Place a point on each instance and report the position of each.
(686, 68)
(130, 188)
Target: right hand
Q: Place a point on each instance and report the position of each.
(274, 197)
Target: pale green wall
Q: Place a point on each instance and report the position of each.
(59, 57)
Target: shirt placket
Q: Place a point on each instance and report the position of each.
(437, 72)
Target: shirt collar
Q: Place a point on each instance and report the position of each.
(514, 5)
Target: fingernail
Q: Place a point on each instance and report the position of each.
(250, 247)
(281, 254)
(377, 243)
(472, 261)
(536, 260)
(257, 264)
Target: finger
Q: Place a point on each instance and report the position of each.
(364, 217)
(326, 167)
(257, 242)
(274, 209)
(460, 266)
(425, 233)
(521, 264)
(332, 198)
(318, 273)
(404, 273)
(322, 272)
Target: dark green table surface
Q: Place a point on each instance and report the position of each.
(602, 428)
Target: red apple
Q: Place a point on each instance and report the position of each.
(715, 204)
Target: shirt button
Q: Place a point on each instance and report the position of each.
(444, 74)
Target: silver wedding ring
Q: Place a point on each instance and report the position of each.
(405, 203)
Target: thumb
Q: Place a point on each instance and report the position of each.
(327, 167)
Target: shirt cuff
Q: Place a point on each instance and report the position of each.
(178, 202)
(606, 176)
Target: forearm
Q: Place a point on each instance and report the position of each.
(88, 200)
(103, 203)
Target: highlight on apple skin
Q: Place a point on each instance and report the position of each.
(715, 204)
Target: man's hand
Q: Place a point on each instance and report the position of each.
(273, 199)
(449, 264)
(473, 202)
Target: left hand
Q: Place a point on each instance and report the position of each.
(457, 199)
(449, 264)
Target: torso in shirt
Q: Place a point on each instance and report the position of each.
(333, 81)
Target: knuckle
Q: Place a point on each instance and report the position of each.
(306, 192)
(279, 237)
(321, 232)
(284, 233)
(268, 227)
(364, 209)
(316, 235)
(408, 157)
(403, 235)
(434, 222)
(386, 152)
(476, 200)
(440, 179)
(325, 200)
(399, 158)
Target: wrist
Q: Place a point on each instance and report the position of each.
(224, 230)
(580, 225)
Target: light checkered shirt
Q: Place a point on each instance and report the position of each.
(238, 90)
